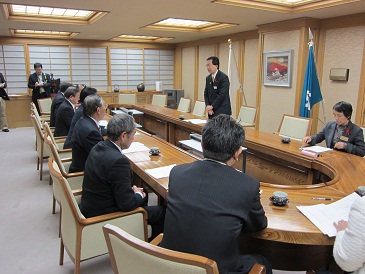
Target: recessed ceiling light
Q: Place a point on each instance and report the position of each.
(51, 14)
(140, 38)
(187, 25)
(286, 6)
(43, 33)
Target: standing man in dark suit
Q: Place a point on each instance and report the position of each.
(210, 203)
(3, 97)
(40, 83)
(57, 101)
(66, 111)
(216, 93)
(87, 132)
(78, 114)
(108, 178)
(340, 134)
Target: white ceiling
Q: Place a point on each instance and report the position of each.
(129, 16)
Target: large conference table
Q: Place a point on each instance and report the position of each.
(291, 241)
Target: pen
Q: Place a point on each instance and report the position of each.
(325, 199)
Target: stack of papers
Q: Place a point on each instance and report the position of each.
(323, 216)
(317, 149)
(160, 172)
(135, 147)
(196, 121)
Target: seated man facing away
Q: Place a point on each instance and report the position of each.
(78, 114)
(66, 112)
(210, 203)
(87, 132)
(57, 101)
(108, 179)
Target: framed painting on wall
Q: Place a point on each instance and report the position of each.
(277, 68)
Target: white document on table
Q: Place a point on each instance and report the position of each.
(323, 216)
(192, 144)
(135, 147)
(317, 148)
(160, 172)
(196, 121)
(103, 123)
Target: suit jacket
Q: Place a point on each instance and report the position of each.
(3, 93)
(56, 102)
(85, 136)
(33, 78)
(209, 206)
(355, 135)
(78, 114)
(63, 119)
(217, 94)
(107, 185)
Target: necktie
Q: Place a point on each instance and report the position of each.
(213, 79)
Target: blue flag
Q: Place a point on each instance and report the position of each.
(311, 93)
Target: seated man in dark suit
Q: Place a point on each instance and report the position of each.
(66, 111)
(108, 179)
(210, 203)
(78, 114)
(57, 101)
(87, 132)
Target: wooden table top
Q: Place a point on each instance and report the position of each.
(286, 224)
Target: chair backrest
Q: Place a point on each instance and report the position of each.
(38, 134)
(128, 99)
(295, 127)
(159, 100)
(247, 116)
(54, 154)
(199, 108)
(184, 105)
(39, 137)
(45, 105)
(48, 132)
(125, 250)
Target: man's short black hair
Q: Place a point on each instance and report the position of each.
(64, 86)
(222, 136)
(215, 60)
(86, 92)
(344, 107)
(37, 65)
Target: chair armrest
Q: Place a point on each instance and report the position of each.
(157, 240)
(258, 269)
(74, 174)
(64, 150)
(114, 215)
(60, 138)
(77, 192)
(65, 160)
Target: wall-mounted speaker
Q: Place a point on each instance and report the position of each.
(339, 74)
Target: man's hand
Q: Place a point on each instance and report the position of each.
(138, 189)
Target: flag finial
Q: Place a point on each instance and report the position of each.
(229, 41)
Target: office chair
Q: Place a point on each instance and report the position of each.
(127, 99)
(45, 106)
(199, 108)
(247, 116)
(83, 237)
(184, 105)
(159, 100)
(294, 127)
